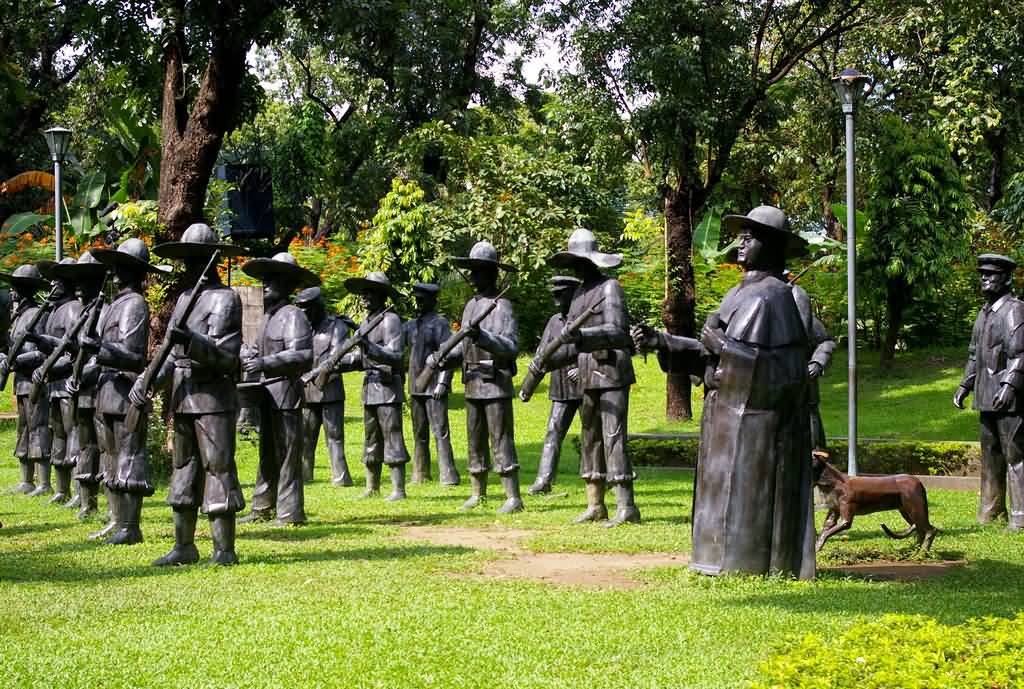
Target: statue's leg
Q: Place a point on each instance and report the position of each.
(312, 416)
(59, 450)
(222, 492)
(437, 413)
(132, 480)
(333, 415)
(1012, 427)
(559, 420)
(108, 458)
(992, 503)
(421, 439)
(87, 469)
(395, 454)
(184, 493)
(291, 500)
(264, 494)
(592, 459)
(478, 451)
(506, 461)
(373, 451)
(613, 412)
(27, 483)
(40, 445)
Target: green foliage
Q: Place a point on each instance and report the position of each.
(903, 651)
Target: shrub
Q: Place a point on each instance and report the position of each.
(903, 651)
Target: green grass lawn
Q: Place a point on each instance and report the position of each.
(344, 602)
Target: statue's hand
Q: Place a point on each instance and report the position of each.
(959, 396)
(814, 370)
(180, 336)
(573, 374)
(253, 365)
(70, 386)
(90, 344)
(308, 377)
(138, 395)
(1004, 398)
(535, 368)
(349, 323)
(568, 337)
(440, 390)
(37, 376)
(645, 338)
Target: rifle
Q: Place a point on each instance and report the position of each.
(348, 345)
(19, 342)
(536, 369)
(62, 346)
(131, 419)
(423, 379)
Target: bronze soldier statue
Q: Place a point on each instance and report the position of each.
(324, 406)
(80, 379)
(23, 357)
(380, 356)
(67, 310)
(429, 404)
(995, 373)
(602, 351)
(752, 510)
(121, 349)
(488, 358)
(285, 352)
(200, 370)
(564, 390)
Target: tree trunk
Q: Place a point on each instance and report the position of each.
(191, 140)
(680, 291)
(896, 299)
(996, 142)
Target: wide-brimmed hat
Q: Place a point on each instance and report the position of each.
(373, 282)
(26, 276)
(583, 247)
(996, 263)
(426, 288)
(560, 283)
(132, 253)
(86, 268)
(307, 296)
(46, 267)
(772, 222)
(198, 240)
(482, 255)
(281, 265)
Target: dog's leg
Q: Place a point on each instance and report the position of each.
(827, 533)
(830, 518)
(925, 543)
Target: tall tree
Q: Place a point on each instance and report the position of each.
(690, 76)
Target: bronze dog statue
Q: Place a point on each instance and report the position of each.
(848, 496)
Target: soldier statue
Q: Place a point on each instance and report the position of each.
(602, 351)
(752, 510)
(429, 404)
(324, 406)
(564, 390)
(33, 444)
(67, 310)
(380, 356)
(121, 347)
(200, 372)
(995, 373)
(284, 352)
(487, 353)
(80, 380)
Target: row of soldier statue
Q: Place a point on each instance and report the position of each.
(758, 356)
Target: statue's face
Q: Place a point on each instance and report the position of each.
(373, 301)
(88, 290)
(61, 289)
(314, 310)
(751, 251)
(994, 283)
(562, 298)
(425, 303)
(275, 291)
(483, 278)
(125, 277)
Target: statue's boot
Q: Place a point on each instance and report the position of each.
(373, 472)
(421, 466)
(113, 507)
(76, 500)
(27, 484)
(307, 465)
(257, 516)
(42, 479)
(596, 511)
(449, 474)
(625, 509)
(478, 485)
(513, 501)
(545, 476)
(222, 528)
(63, 480)
(397, 483)
(339, 470)
(87, 497)
(127, 531)
(184, 551)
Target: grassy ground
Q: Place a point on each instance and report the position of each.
(344, 602)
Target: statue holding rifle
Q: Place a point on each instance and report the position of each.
(22, 357)
(380, 352)
(198, 361)
(486, 347)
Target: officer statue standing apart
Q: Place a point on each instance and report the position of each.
(488, 359)
(121, 351)
(995, 373)
(429, 404)
(285, 352)
(200, 372)
(380, 356)
(324, 406)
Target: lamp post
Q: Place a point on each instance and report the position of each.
(849, 86)
(58, 139)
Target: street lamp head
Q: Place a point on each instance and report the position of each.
(58, 139)
(849, 86)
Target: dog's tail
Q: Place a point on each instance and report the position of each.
(901, 534)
